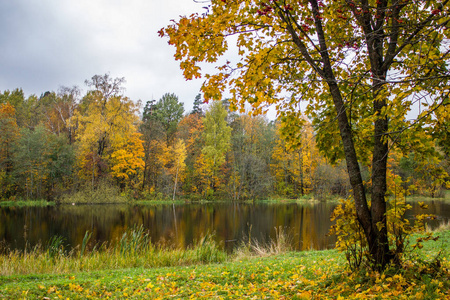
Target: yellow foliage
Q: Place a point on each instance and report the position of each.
(127, 159)
(108, 137)
(295, 157)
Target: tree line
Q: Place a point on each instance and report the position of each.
(63, 142)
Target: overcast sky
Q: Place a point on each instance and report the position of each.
(45, 44)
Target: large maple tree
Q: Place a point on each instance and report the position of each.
(360, 65)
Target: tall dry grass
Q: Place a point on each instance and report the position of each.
(252, 247)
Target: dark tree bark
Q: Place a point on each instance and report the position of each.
(377, 236)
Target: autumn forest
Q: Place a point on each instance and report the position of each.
(63, 143)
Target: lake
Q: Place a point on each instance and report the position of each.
(182, 224)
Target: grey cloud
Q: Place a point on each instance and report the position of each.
(48, 43)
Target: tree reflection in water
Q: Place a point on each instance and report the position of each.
(180, 225)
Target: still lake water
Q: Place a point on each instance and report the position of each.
(180, 225)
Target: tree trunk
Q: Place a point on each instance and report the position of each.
(300, 161)
(369, 219)
(175, 185)
(380, 251)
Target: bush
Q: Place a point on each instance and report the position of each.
(352, 241)
(103, 192)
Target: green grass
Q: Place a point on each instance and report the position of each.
(28, 203)
(159, 202)
(445, 197)
(132, 250)
(292, 275)
(89, 196)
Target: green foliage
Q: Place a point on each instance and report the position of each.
(248, 173)
(160, 124)
(135, 240)
(424, 174)
(16, 98)
(55, 247)
(30, 162)
(9, 136)
(168, 111)
(441, 127)
(197, 109)
(208, 251)
(43, 163)
(86, 238)
(216, 134)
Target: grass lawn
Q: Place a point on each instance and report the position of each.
(292, 275)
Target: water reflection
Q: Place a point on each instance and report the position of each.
(180, 225)
(439, 208)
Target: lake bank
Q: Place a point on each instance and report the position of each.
(159, 201)
(293, 275)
